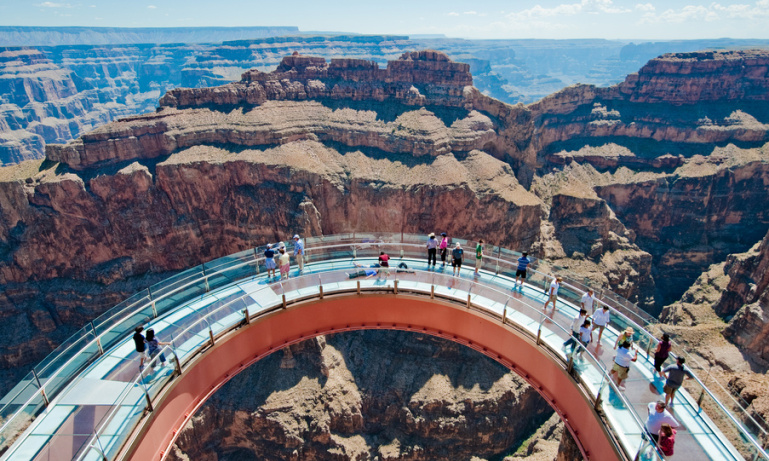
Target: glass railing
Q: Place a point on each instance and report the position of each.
(28, 399)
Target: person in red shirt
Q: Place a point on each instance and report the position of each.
(384, 264)
(667, 439)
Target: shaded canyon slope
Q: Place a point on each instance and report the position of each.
(370, 395)
(640, 187)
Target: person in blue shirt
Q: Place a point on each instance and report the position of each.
(299, 252)
(269, 261)
(457, 253)
(523, 263)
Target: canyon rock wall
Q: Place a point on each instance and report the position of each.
(368, 395)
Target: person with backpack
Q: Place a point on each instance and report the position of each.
(384, 264)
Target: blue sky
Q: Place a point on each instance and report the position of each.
(612, 19)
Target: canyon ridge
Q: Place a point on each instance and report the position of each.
(654, 188)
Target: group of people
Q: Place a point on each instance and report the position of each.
(148, 347)
(660, 424)
(457, 253)
(278, 257)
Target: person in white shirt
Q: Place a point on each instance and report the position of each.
(658, 415)
(585, 337)
(552, 293)
(622, 363)
(587, 301)
(601, 320)
(576, 324)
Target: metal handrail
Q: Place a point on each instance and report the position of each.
(251, 259)
(205, 319)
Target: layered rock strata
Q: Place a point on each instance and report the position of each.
(368, 395)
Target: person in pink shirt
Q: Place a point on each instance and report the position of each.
(444, 247)
(667, 439)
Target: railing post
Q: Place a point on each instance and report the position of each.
(211, 335)
(499, 255)
(354, 252)
(98, 340)
(432, 291)
(152, 299)
(395, 286)
(149, 400)
(320, 286)
(40, 386)
(178, 364)
(357, 282)
(598, 400)
(570, 368)
(246, 316)
(504, 312)
(699, 399)
(539, 332)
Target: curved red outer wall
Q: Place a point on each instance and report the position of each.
(235, 351)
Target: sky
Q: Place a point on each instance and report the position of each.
(555, 19)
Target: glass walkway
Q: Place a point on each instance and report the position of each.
(89, 399)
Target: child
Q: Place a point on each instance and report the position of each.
(585, 335)
(667, 439)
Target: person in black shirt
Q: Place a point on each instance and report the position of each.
(269, 262)
(141, 346)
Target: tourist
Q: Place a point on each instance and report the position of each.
(457, 254)
(432, 246)
(552, 293)
(585, 336)
(587, 301)
(662, 353)
(285, 263)
(153, 347)
(478, 256)
(299, 252)
(576, 324)
(269, 261)
(520, 273)
(658, 415)
(384, 263)
(625, 336)
(141, 347)
(667, 439)
(675, 375)
(365, 271)
(601, 320)
(444, 247)
(622, 364)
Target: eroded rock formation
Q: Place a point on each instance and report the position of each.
(369, 395)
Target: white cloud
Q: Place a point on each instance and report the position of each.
(568, 9)
(645, 7)
(470, 12)
(55, 5)
(453, 13)
(710, 13)
(151, 7)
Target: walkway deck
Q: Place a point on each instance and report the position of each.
(97, 411)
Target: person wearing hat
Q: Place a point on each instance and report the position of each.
(432, 249)
(625, 336)
(457, 253)
(299, 252)
(444, 247)
(269, 262)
